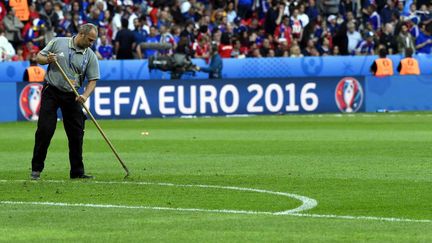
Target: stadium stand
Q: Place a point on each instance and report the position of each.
(244, 28)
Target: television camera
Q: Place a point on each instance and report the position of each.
(177, 64)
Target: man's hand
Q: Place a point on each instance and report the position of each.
(51, 57)
(81, 99)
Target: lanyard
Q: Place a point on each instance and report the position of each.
(83, 65)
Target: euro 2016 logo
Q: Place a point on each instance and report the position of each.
(29, 101)
(349, 95)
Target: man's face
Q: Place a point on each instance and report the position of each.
(136, 23)
(87, 40)
(48, 6)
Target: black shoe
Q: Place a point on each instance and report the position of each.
(82, 177)
(35, 175)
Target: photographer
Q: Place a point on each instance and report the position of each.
(215, 67)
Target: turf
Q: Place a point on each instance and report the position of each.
(359, 165)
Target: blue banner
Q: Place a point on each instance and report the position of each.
(159, 98)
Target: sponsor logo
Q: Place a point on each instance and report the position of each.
(29, 101)
(349, 95)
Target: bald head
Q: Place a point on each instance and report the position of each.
(87, 28)
(87, 35)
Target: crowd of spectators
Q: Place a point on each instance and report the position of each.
(240, 28)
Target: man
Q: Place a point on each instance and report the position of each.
(354, 38)
(408, 65)
(13, 28)
(405, 40)
(124, 42)
(424, 41)
(34, 73)
(79, 62)
(383, 66)
(215, 67)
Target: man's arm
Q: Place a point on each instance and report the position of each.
(42, 60)
(373, 68)
(26, 76)
(88, 91)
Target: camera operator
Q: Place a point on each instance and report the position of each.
(215, 67)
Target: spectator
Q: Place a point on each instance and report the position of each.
(273, 17)
(354, 38)
(349, 6)
(304, 18)
(383, 66)
(166, 37)
(283, 31)
(329, 7)
(413, 27)
(202, 50)
(139, 32)
(295, 51)
(29, 50)
(312, 10)
(34, 14)
(336, 51)
(59, 11)
(19, 55)
(50, 19)
(131, 16)
(424, 42)
(374, 18)
(408, 65)
(75, 23)
(94, 17)
(324, 49)
(296, 25)
(189, 31)
(13, 28)
(225, 47)
(7, 51)
(3, 12)
(116, 21)
(238, 51)
(367, 46)
(405, 40)
(32, 31)
(105, 50)
(265, 48)
(243, 8)
(151, 38)
(64, 25)
(388, 39)
(79, 11)
(124, 42)
(230, 11)
(388, 11)
(309, 49)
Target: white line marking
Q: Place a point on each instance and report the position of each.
(361, 217)
(307, 203)
(89, 205)
(59, 204)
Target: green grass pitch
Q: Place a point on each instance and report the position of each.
(374, 168)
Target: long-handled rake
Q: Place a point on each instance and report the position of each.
(93, 119)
